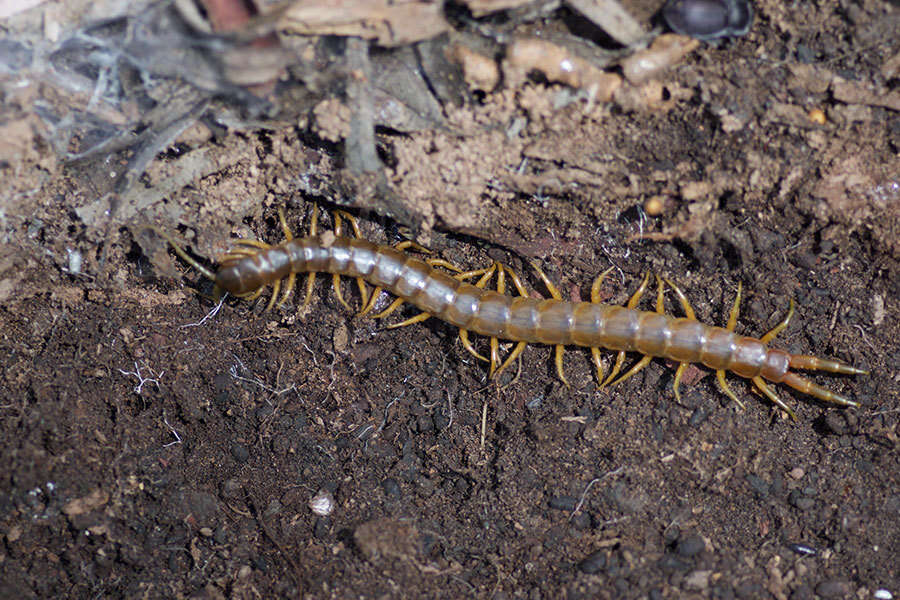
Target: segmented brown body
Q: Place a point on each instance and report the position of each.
(525, 319)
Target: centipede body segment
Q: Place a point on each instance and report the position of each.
(252, 266)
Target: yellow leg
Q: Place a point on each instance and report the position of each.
(632, 303)
(310, 282)
(732, 322)
(275, 289)
(520, 347)
(314, 221)
(598, 363)
(393, 306)
(464, 338)
(645, 360)
(371, 303)
(416, 319)
(253, 295)
(735, 310)
(288, 289)
(253, 243)
(517, 351)
(336, 284)
(406, 244)
(596, 299)
(808, 387)
(685, 303)
(677, 383)
(760, 383)
(516, 282)
(595, 288)
(720, 377)
(554, 292)
(440, 262)
(780, 327)
(288, 234)
(559, 364)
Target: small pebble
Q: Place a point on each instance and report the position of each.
(690, 545)
(563, 503)
(708, 19)
(803, 549)
(883, 594)
(322, 503)
(593, 563)
(833, 588)
(239, 452)
(759, 485)
(796, 473)
(798, 500)
(391, 487)
(581, 521)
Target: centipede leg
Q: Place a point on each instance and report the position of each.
(254, 243)
(311, 277)
(486, 275)
(464, 339)
(520, 347)
(559, 348)
(780, 327)
(336, 284)
(354, 225)
(596, 357)
(371, 303)
(310, 283)
(632, 303)
(760, 384)
(660, 308)
(411, 321)
(275, 289)
(802, 384)
(732, 323)
(814, 363)
(494, 342)
(391, 308)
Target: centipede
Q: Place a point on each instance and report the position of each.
(442, 290)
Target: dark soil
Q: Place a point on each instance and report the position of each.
(153, 447)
